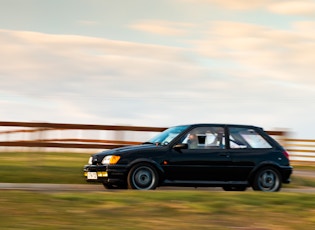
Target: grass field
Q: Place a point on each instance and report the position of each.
(67, 168)
(128, 209)
(156, 210)
(42, 167)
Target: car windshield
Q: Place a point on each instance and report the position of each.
(167, 135)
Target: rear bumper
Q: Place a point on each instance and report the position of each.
(286, 172)
(105, 173)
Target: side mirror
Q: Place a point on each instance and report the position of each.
(180, 146)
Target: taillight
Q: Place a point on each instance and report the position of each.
(286, 154)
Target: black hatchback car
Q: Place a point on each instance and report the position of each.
(233, 157)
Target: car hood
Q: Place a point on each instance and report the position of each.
(125, 150)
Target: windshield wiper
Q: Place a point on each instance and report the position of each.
(147, 143)
(151, 143)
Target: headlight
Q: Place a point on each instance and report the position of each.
(90, 160)
(110, 160)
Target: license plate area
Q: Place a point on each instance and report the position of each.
(92, 176)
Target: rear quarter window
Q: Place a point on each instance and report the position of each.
(247, 138)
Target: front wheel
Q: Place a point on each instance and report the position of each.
(267, 179)
(143, 177)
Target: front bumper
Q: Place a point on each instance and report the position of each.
(110, 174)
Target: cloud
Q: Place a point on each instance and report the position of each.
(161, 27)
(234, 5)
(88, 22)
(67, 78)
(302, 7)
(31, 56)
(281, 55)
(286, 7)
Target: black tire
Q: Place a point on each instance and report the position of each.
(143, 176)
(267, 179)
(234, 188)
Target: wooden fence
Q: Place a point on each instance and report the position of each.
(82, 136)
(38, 134)
(301, 150)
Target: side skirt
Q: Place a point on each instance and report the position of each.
(202, 183)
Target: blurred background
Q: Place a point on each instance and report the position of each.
(159, 63)
(131, 69)
(91, 138)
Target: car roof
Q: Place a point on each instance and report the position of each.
(221, 124)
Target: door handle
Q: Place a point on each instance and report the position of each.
(224, 155)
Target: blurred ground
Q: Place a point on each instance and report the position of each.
(99, 187)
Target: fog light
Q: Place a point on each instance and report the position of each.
(102, 174)
(85, 174)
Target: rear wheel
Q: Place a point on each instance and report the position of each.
(143, 177)
(267, 179)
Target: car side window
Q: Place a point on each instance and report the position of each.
(205, 138)
(242, 138)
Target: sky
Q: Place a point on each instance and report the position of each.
(159, 63)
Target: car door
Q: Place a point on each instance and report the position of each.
(205, 157)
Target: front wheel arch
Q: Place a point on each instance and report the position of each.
(143, 176)
(151, 162)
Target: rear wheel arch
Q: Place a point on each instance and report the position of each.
(253, 173)
(267, 178)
